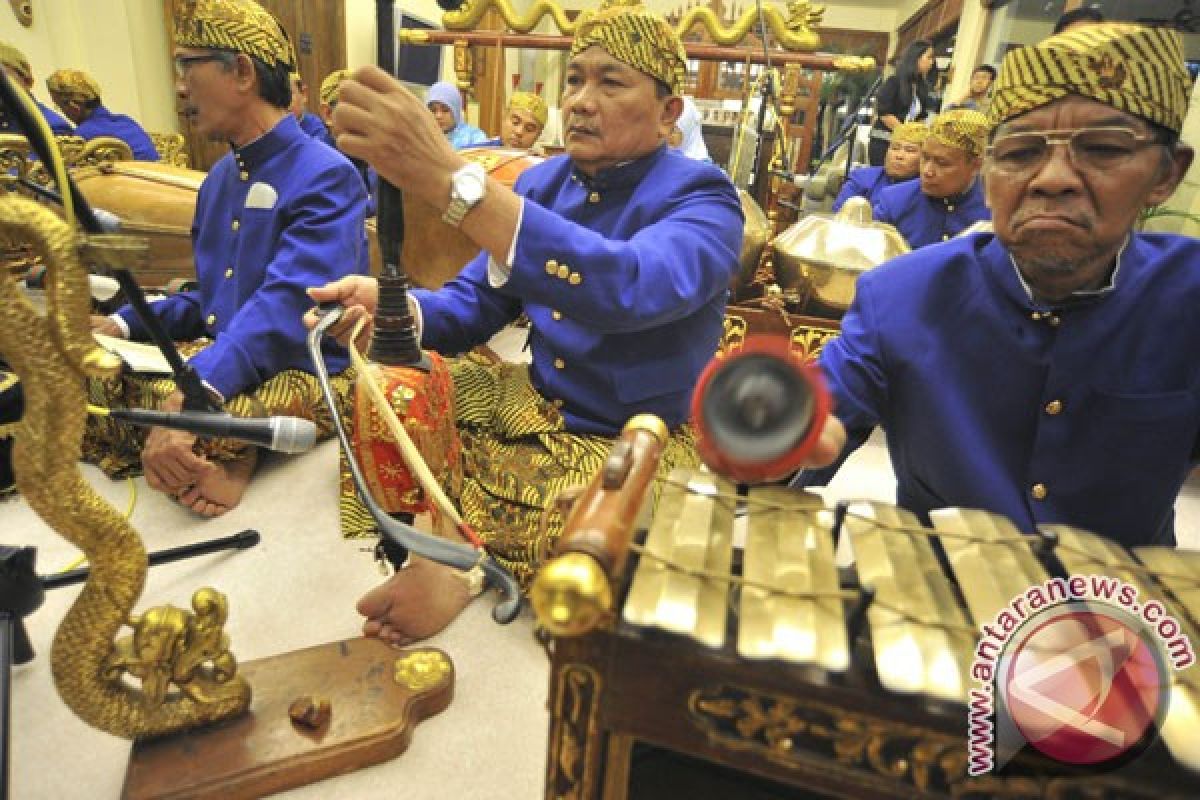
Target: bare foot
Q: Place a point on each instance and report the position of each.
(415, 603)
(220, 488)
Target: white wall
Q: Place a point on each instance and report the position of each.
(863, 18)
(120, 43)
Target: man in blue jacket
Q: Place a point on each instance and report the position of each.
(1048, 372)
(619, 252)
(16, 65)
(265, 231)
(948, 197)
(78, 95)
(902, 163)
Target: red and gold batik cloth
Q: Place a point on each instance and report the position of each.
(424, 402)
(116, 447)
(517, 459)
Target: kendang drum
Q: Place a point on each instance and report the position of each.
(433, 251)
(152, 200)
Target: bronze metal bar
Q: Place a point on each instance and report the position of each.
(702, 52)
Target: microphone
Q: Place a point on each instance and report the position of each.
(759, 412)
(283, 434)
(107, 220)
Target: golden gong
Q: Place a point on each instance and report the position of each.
(831, 251)
(755, 233)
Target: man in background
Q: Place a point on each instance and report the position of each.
(524, 120)
(16, 66)
(78, 95)
(310, 123)
(979, 93)
(330, 88)
(948, 197)
(902, 163)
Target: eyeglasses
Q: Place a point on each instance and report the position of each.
(1090, 149)
(183, 63)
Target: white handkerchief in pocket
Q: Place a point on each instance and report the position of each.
(261, 195)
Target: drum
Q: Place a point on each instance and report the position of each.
(153, 200)
(433, 251)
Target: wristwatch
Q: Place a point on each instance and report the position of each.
(467, 186)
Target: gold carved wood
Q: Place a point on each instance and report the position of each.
(24, 11)
(172, 148)
(797, 30)
(574, 758)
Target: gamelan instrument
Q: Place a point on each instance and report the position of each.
(433, 252)
(821, 255)
(723, 629)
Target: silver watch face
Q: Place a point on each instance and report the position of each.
(469, 183)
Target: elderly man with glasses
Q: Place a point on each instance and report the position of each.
(1047, 372)
(280, 213)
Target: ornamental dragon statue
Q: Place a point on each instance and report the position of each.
(181, 659)
(796, 31)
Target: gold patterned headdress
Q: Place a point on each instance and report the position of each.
(239, 25)
(962, 128)
(1132, 68)
(635, 36)
(15, 60)
(915, 132)
(332, 85)
(528, 101)
(73, 83)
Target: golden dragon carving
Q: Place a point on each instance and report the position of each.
(169, 649)
(795, 31)
(24, 11)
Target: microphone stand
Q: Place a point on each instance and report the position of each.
(853, 126)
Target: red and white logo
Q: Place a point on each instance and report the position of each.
(1083, 686)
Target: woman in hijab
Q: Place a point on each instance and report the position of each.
(445, 103)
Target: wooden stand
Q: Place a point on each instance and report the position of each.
(375, 706)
